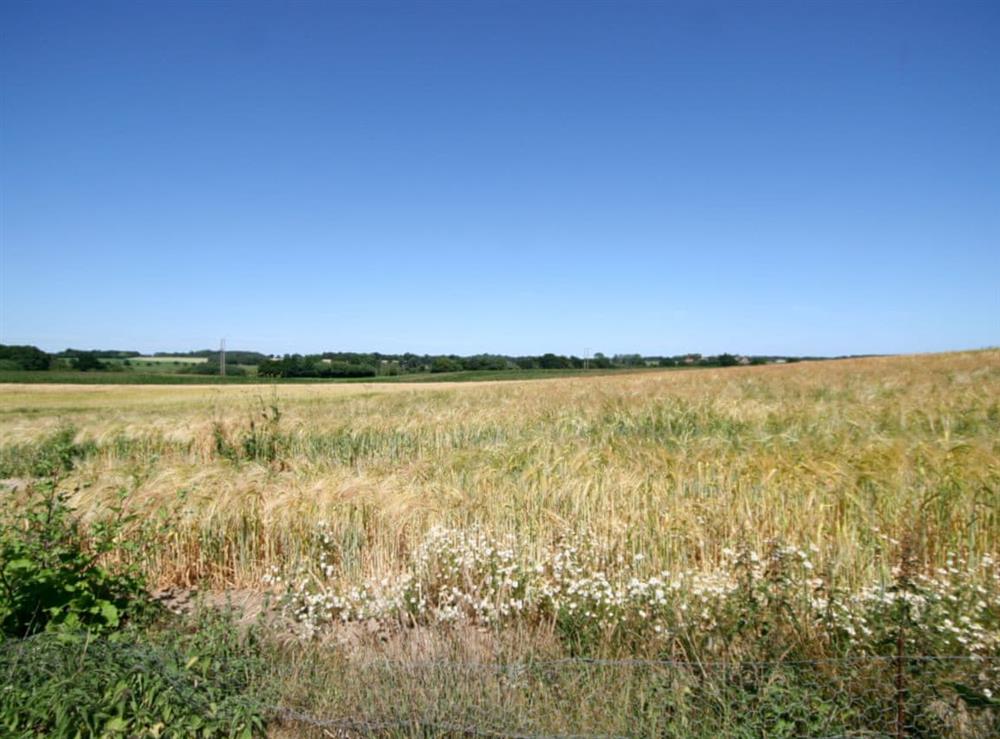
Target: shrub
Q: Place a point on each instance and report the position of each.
(50, 578)
(80, 655)
(189, 679)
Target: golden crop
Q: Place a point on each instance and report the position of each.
(676, 466)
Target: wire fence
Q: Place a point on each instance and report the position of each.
(860, 696)
(865, 696)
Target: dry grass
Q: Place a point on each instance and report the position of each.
(676, 466)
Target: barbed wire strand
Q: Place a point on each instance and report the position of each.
(147, 660)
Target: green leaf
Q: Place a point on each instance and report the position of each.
(19, 564)
(115, 725)
(109, 612)
(973, 698)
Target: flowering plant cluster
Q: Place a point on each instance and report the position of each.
(757, 598)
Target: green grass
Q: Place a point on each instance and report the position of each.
(168, 360)
(157, 365)
(122, 378)
(167, 377)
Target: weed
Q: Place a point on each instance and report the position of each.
(53, 456)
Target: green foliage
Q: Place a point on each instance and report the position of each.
(212, 367)
(551, 361)
(87, 361)
(15, 360)
(296, 365)
(50, 578)
(136, 375)
(73, 661)
(446, 364)
(628, 360)
(99, 353)
(52, 456)
(24, 357)
(204, 678)
(233, 356)
(599, 361)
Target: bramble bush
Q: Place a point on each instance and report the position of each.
(49, 577)
(82, 652)
(201, 677)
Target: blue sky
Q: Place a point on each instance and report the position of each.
(800, 177)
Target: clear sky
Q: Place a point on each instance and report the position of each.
(781, 177)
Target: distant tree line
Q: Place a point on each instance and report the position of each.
(32, 358)
(357, 364)
(313, 365)
(364, 364)
(96, 354)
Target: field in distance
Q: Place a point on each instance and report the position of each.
(160, 361)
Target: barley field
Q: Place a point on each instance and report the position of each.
(810, 520)
(673, 467)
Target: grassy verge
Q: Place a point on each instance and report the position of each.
(627, 698)
(210, 676)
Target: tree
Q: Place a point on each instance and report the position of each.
(628, 360)
(24, 357)
(552, 361)
(600, 361)
(87, 361)
(446, 364)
